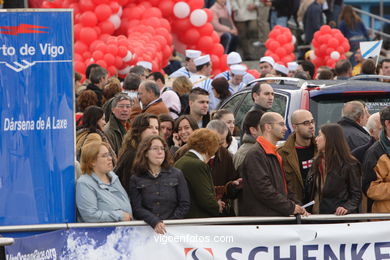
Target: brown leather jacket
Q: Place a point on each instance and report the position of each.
(291, 165)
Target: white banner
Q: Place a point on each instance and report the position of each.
(309, 242)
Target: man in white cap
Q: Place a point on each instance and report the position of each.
(280, 70)
(189, 68)
(292, 68)
(202, 79)
(236, 82)
(266, 65)
(234, 58)
(146, 64)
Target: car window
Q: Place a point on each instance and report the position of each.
(232, 104)
(243, 109)
(328, 109)
(279, 105)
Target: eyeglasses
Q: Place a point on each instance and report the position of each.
(157, 148)
(307, 122)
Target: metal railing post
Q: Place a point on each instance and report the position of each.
(5, 241)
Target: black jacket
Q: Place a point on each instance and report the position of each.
(98, 92)
(355, 134)
(164, 197)
(342, 188)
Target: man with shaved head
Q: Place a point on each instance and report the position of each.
(354, 118)
(266, 191)
(298, 151)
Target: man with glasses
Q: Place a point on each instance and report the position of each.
(118, 123)
(298, 151)
(266, 191)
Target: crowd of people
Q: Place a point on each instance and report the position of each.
(154, 148)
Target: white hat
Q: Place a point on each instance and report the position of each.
(145, 64)
(281, 68)
(238, 69)
(268, 59)
(202, 60)
(292, 66)
(193, 54)
(233, 58)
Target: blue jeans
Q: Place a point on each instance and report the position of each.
(229, 42)
(275, 20)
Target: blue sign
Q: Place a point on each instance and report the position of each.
(36, 117)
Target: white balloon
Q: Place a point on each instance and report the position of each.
(115, 20)
(120, 11)
(335, 55)
(181, 10)
(128, 57)
(198, 17)
(125, 70)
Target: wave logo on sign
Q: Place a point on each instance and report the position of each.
(22, 28)
(44, 49)
(199, 253)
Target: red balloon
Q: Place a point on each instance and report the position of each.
(273, 45)
(215, 37)
(118, 62)
(181, 25)
(223, 62)
(98, 2)
(86, 5)
(254, 73)
(87, 55)
(195, 4)
(88, 35)
(79, 66)
(333, 43)
(281, 38)
(103, 12)
(102, 63)
(204, 43)
(80, 47)
(152, 12)
(218, 50)
(191, 36)
(133, 13)
(166, 7)
(114, 7)
(209, 14)
(325, 29)
(281, 52)
(78, 57)
(76, 30)
(107, 27)
(112, 70)
(109, 59)
(165, 24)
(215, 61)
(113, 49)
(160, 39)
(206, 29)
(153, 21)
(88, 19)
(122, 51)
(97, 55)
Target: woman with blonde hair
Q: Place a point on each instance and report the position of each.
(182, 86)
(202, 144)
(100, 196)
(155, 182)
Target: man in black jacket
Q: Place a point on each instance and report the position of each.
(98, 78)
(354, 118)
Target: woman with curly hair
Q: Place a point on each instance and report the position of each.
(143, 126)
(156, 182)
(85, 99)
(203, 144)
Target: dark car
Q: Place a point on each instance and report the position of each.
(324, 98)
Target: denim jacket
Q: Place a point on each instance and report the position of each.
(100, 202)
(157, 198)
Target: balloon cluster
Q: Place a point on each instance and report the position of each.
(116, 34)
(280, 45)
(330, 45)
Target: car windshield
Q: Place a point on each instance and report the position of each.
(328, 108)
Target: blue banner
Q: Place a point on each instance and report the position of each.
(36, 118)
